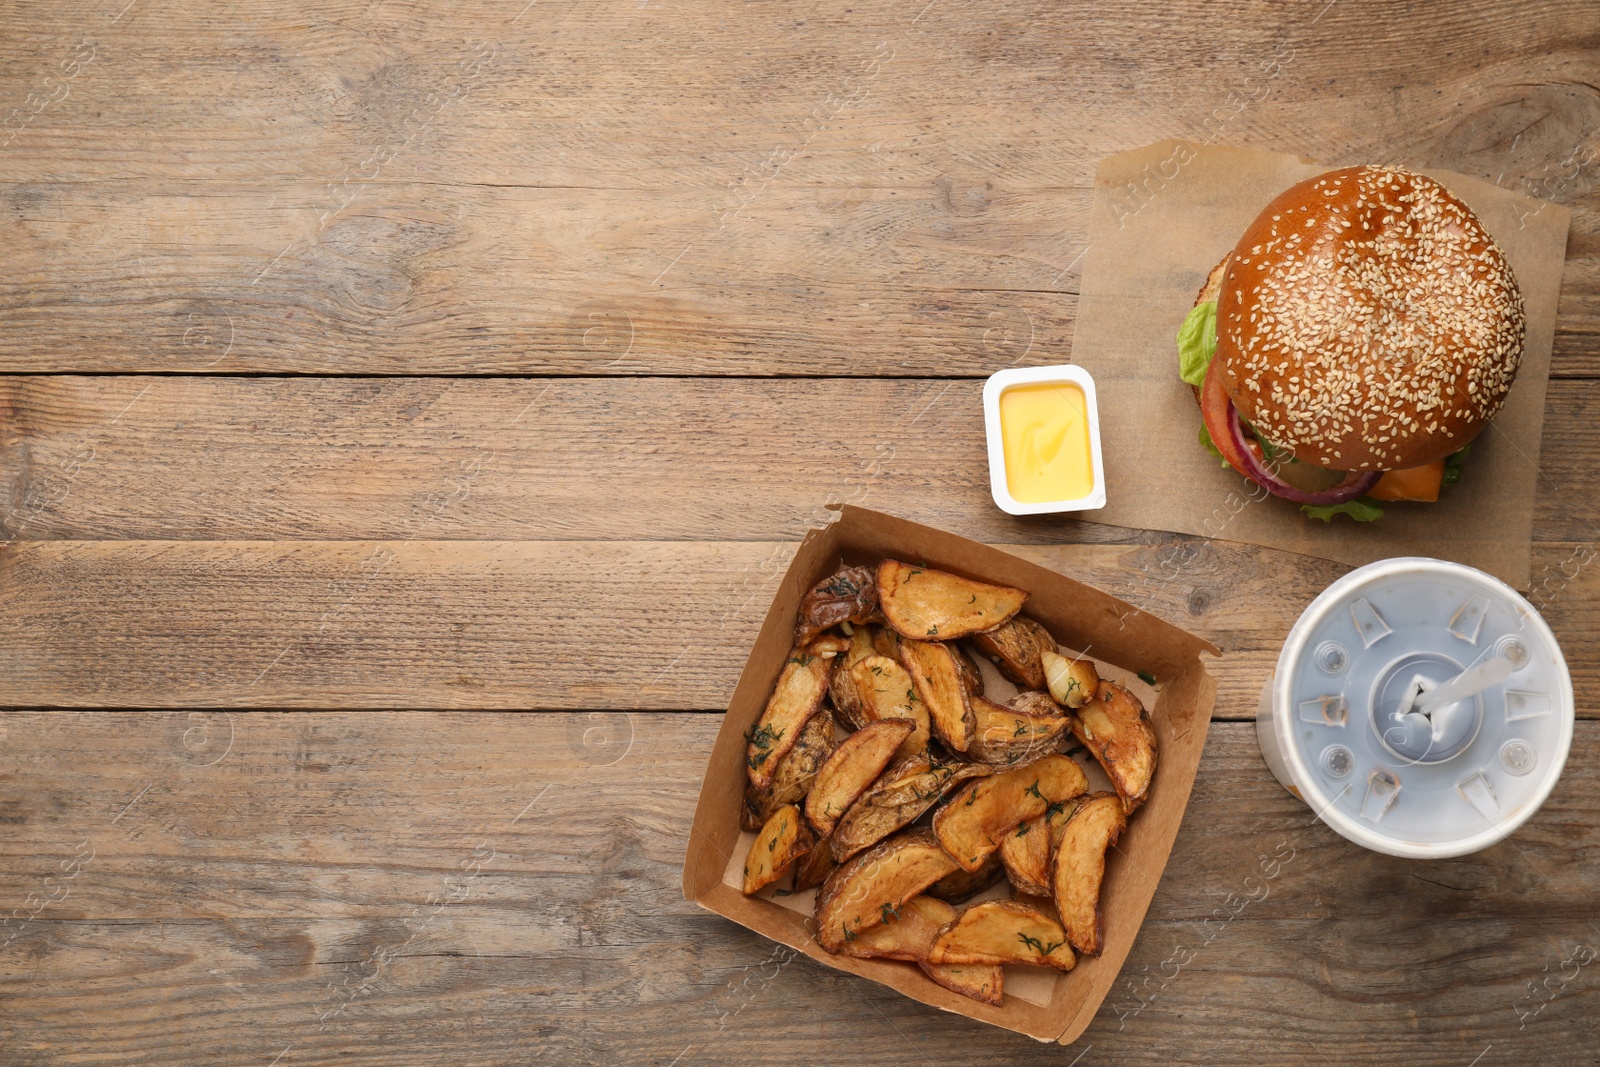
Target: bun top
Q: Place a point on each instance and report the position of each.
(1368, 322)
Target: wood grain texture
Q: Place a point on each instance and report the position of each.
(424, 279)
(858, 189)
(564, 624)
(766, 197)
(273, 889)
(146, 458)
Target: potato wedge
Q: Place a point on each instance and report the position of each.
(959, 886)
(842, 687)
(999, 932)
(886, 692)
(981, 983)
(827, 645)
(927, 604)
(1027, 849)
(1080, 867)
(1039, 705)
(936, 605)
(936, 677)
(1115, 727)
(971, 677)
(1007, 735)
(859, 894)
(1025, 854)
(796, 770)
(796, 697)
(814, 867)
(1072, 682)
(858, 760)
(972, 822)
(850, 594)
(1015, 648)
(902, 792)
(886, 642)
(784, 839)
(906, 934)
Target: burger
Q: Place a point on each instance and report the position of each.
(1358, 337)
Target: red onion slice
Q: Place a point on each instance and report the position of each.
(1227, 432)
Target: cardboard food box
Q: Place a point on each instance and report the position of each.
(1125, 641)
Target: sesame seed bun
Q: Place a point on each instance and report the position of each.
(1368, 322)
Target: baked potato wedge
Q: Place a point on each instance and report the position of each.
(779, 843)
(905, 790)
(852, 767)
(906, 934)
(1015, 648)
(795, 699)
(842, 688)
(827, 645)
(971, 824)
(1007, 735)
(886, 692)
(1039, 705)
(814, 867)
(1025, 855)
(1072, 682)
(999, 932)
(936, 677)
(971, 676)
(850, 594)
(1026, 851)
(959, 886)
(927, 604)
(795, 772)
(1080, 867)
(973, 980)
(886, 642)
(863, 892)
(1116, 729)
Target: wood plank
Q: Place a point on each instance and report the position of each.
(621, 89)
(551, 459)
(545, 459)
(471, 280)
(304, 889)
(462, 189)
(574, 624)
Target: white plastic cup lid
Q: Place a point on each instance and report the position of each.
(1379, 760)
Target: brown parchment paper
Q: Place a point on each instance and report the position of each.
(1162, 217)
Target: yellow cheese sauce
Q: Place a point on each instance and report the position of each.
(1045, 431)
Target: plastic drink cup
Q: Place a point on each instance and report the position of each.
(1347, 724)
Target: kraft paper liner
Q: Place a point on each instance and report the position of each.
(1162, 217)
(1079, 617)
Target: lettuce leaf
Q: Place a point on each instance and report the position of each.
(1270, 451)
(1361, 509)
(1197, 343)
(1211, 446)
(1452, 465)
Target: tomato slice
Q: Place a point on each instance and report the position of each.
(1414, 483)
(1214, 409)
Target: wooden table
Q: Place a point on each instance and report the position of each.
(407, 409)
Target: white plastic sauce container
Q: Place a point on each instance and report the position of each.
(1346, 724)
(1075, 441)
